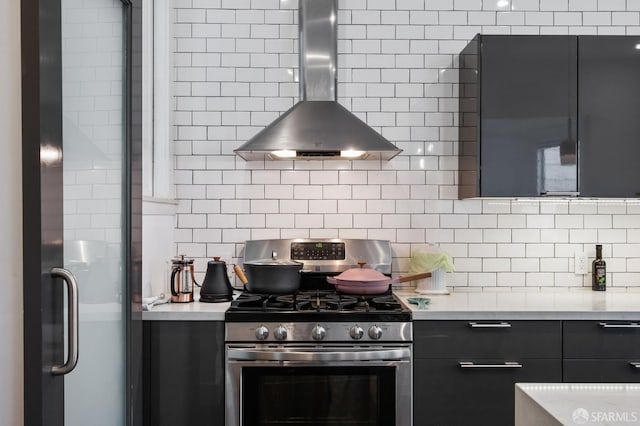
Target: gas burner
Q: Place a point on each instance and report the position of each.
(385, 303)
(257, 301)
(318, 300)
(249, 300)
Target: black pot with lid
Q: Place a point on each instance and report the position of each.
(216, 286)
(270, 276)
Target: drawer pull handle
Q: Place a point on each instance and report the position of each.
(635, 364)
(489, 325)
(630, 325)
(507, 364)
(560, 193)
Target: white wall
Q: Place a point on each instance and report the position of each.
(11, 400)
(158, 249)
(234, 66)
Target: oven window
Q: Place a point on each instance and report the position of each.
(318, 396)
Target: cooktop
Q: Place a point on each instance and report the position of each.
(316, 305)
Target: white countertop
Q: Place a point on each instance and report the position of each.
(580, 304)
(546, 404)
(193, 311)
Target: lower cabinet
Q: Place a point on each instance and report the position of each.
(446, 394)
(183, 373)
(601, 351)
(465, 371)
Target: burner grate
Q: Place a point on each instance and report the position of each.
(315, 301)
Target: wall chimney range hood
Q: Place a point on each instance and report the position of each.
(318, 127)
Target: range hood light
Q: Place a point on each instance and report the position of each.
(353, 154)
(285, 153)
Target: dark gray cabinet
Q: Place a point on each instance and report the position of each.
(549, 115)
(601, 351)
(608, 116)
(465, 371)
(183, 373)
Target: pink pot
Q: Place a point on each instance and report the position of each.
(368, 281)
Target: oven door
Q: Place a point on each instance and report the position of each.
(311, 385)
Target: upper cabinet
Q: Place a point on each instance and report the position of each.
(536, 112)
(609, 115)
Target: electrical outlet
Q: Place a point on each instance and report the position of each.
(580, 263)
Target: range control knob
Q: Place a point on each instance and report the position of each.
(318, 332)
(375, 332)
(280, 333)
(262, 332)
(356, 332)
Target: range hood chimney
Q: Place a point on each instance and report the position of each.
(318, 127)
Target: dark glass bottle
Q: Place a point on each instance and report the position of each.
(598, 271)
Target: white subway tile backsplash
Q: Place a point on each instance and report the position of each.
(611, 4)
(570, 221)
(525, 235)
(554, 5)
(465, 5)
(207, 235)
(481, 18)
(554, 235)
(476, 250)
(510, 18)
(512, 221)
(497, 235)
(525, 265)
(192, 220)
(539, 279)
(525, 207)
(597, 221)
(235, 206)
(309, 221)
(482, 221)
(467, 206)
(540, 221)
(496, 206)
(410, 235)
(496, 265)
(567, 18)
(625, 18)
(629, 221)
(583, 236)
(612, 207)
(612, 236)
(539, 18)
(454, 221)
(539, 250)
(511, 279)
(633, 235)
(468, 264)
(511, 250)
(596, 18)
(220, 192)
(623, 250)
(235, 63)
(482, 279)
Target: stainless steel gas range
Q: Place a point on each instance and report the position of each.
(318, 357)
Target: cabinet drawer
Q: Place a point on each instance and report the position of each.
(446, 394)
(487, 339)
(601, 371)
(601, 339)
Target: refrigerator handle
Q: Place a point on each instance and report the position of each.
(73, 332)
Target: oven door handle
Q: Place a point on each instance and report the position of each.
(309, 356)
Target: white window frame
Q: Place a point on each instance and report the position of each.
(157, 152)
